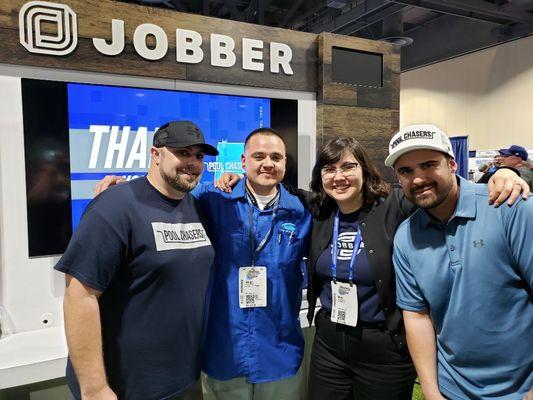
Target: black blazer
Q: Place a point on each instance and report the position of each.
(378, 225)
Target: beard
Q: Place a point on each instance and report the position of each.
(181, 181)
(434, 198)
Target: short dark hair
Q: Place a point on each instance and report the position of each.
(374, 186)
(262, 131)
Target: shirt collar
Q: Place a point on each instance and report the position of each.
(465, 207)
(285, 199)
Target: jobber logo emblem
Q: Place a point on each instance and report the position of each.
(34, 15)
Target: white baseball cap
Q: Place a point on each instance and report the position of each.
(417, 137)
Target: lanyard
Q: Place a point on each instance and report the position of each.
(254, 251)
(335, 244)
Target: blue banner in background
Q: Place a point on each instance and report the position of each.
(460, 149)
(111, 131)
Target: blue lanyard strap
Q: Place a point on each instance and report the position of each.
(335, 244)
(254, 251)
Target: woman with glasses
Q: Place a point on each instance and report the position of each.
(359, 349)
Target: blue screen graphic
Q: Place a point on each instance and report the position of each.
(111, 130)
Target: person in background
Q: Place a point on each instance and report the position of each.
(480, 172)
(465, 290)
(517, 157)
(137, 272)
(496, 163)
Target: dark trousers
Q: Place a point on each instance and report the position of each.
(361, 363)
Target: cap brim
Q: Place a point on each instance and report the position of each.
(391, 159)
(505, 152)
(208, 149)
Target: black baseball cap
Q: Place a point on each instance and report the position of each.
(182, 134)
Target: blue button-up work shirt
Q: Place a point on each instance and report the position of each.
(263, 343)
(475, 276)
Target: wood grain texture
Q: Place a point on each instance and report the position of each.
(94, 20)
(353, 95)
(372, 127)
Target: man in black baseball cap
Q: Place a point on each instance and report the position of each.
(140, 250)
(182, 134)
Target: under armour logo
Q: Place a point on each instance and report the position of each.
(480, 243)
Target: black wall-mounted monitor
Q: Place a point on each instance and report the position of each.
(356, 67)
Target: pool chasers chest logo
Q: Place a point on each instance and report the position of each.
(52, 29)
(179, 236)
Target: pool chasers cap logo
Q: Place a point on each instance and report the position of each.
(418, 137)
(33, 16)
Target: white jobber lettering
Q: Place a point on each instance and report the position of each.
(179, 236)
(117, 40)
(252, 50)
(222, 54)
(98, 130)
(188, 48)
(118, 146)
(161, 41)
(280, 55)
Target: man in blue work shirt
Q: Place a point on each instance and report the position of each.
(254, 344)
(465, 289)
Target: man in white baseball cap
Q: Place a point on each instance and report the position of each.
(418, 137)
(464, 289)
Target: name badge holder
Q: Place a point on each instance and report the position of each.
(253, 279)
(344, 301)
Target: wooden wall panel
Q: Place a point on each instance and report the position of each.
(370, 115)
(372, 127)
(86, 58)
(94, 20)
(353, 95)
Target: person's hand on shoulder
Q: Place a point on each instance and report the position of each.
(504, 185)
(227, 181)
(529, 395)
(106, 183)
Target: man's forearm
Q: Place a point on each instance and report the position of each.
(423, 349)
(84, 337)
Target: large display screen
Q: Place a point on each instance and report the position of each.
(111, 131)
(75, 134)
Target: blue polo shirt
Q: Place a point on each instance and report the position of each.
(263, 343)
(475, 276)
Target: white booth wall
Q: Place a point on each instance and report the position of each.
(486, 95)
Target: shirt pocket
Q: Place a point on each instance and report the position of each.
(289, 249)
(230, 238)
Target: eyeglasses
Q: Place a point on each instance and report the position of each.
(348, 169)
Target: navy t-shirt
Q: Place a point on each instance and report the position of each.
(369, 305)
(151, 258)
